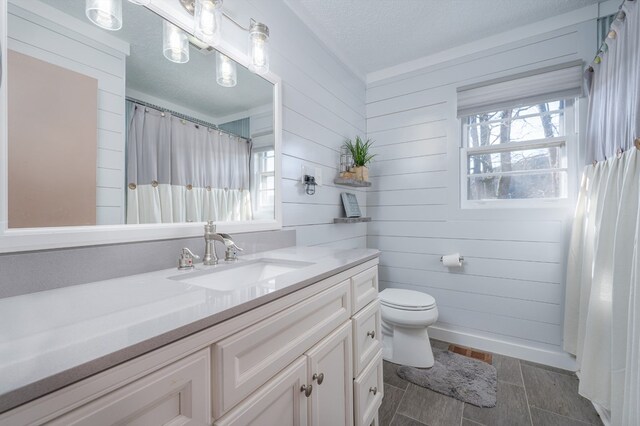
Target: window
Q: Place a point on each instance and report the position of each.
(517, 134)
(264, 183)
(517, 153)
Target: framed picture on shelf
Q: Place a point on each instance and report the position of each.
(350, 203)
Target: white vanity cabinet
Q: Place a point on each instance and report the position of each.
(306, 358)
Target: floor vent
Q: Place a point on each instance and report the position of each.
(471, 353)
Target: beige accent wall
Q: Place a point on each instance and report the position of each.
(52, 144)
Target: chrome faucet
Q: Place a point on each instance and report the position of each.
(210, 237)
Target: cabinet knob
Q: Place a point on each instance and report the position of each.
(318, 377)
(373, 390)
(307, 389)
(372, 334)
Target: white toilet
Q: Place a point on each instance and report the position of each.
(406, 314)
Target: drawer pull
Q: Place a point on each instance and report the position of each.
(318, 377)
(373, 390)
(372, 334)
(307, 389)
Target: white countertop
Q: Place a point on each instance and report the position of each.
(52, 338)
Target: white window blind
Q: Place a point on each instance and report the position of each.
(558, 82)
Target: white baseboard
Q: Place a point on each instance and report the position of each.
(605, 415)
(558, 359)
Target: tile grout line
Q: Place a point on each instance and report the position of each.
(404, 392)
(526, 397)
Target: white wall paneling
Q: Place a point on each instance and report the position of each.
(508, 297)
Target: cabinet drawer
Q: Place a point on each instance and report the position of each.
(367, 392)
(364, 288)
(178, 394)
(279, 402)
(366, 336)
(246, 360)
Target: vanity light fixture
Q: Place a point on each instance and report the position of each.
(106, 14)
(258, 47)
(226, 74)
(208, 21)
(258, 34)
(175, 43)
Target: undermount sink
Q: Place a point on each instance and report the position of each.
(239, 275)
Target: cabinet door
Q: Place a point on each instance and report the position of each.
(330, 374)
(364, 287)
(280, 402)
(176, 395)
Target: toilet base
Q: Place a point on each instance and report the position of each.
(407, 346)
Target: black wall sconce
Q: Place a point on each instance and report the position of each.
(310, 184)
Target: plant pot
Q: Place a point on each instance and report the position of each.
(362, 173)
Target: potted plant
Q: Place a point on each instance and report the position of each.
(360, 152)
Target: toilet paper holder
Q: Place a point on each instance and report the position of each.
(460, 258)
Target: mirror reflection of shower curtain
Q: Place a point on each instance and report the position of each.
(178, 171)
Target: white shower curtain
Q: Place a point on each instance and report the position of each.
(602, 305)
(178, 171)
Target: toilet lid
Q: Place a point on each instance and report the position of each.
(406, 299)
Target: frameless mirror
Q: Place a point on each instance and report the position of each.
(105, 130)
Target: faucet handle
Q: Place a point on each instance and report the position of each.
(231, 253)
(185, 261)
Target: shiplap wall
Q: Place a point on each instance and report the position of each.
(509, 295)
(324, 103)
(68, 47)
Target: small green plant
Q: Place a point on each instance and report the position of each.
(360, 151)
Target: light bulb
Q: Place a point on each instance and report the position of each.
(175, 43)
(106, 14)
(226, 73)
(258, 47)
(208, 21)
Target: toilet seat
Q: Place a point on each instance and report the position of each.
(406, 300)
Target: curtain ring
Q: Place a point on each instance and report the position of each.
(612, 34)
(189, 187)
(132, 186)
(162, 114)
(154, 183)
(637, 143)
(619, 152)
(209, 188)
(146, 109)
(594, 162)
(183, 121)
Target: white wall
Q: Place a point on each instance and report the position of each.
(509, 296)
(70, 44)
(323, 104)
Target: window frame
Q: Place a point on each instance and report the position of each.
(568, 141)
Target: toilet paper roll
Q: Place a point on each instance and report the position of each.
(451, 260)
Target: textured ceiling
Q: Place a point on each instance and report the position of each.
(376, 34)
(193, 84)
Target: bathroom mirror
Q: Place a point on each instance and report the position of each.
(123, 129)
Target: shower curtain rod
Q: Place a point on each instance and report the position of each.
(185, 117)
(603, 42)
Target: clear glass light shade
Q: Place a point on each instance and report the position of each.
(175, 43)
(226, 74)
(106, 14)
(258, 48)
(140, 2)
(208, 21)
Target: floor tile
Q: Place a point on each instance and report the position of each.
(508, 369)
(467, 422)
(390, 402)
(430, 407)
(511, 408)
(558, 393)
(548, 367)
(400, 420)
(547, 418)
(390, 376)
